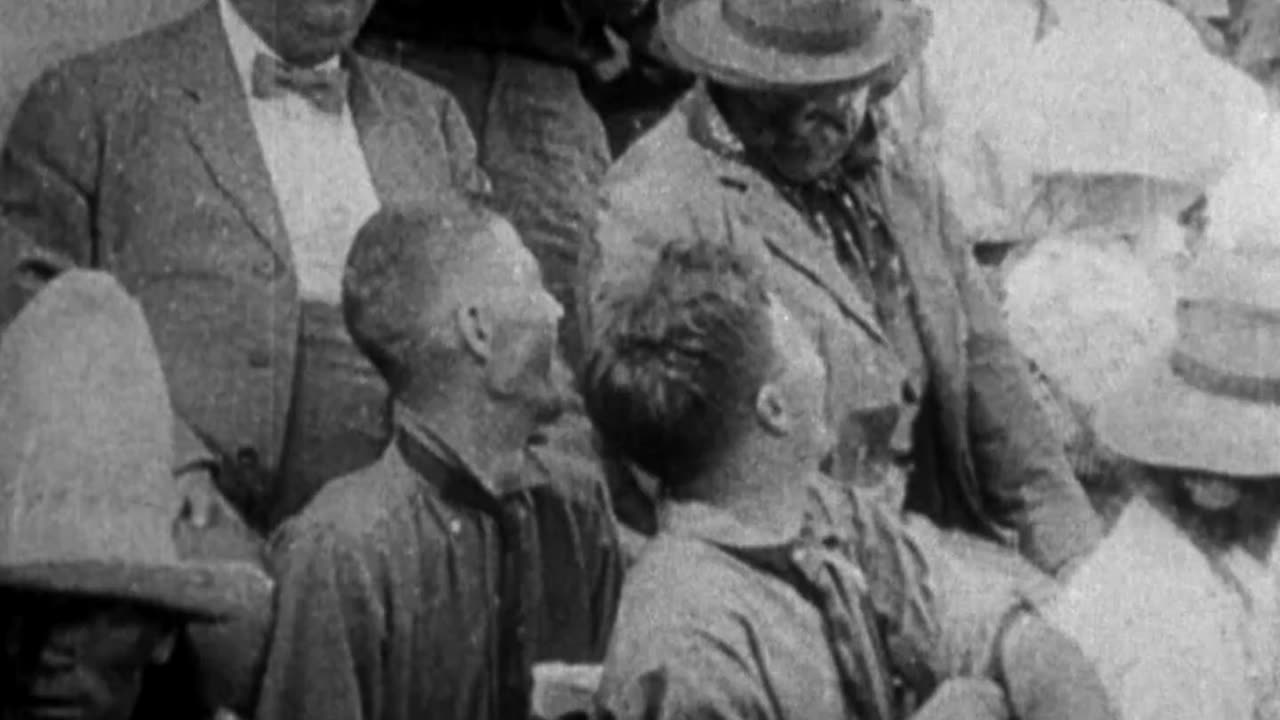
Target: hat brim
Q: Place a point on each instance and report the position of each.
(199, 591)
(697, 38)
(1157, 419)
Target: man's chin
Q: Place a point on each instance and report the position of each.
(803, 172)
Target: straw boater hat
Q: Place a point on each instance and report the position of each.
(88, 501)
(1212, 402)
(769, 44)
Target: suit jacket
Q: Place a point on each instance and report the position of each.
(142, 159)
(1002, 473)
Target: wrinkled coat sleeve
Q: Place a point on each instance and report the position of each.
(1048, 677)
(324, 659)
(947, 616)
(1021, 465)
(48, 190)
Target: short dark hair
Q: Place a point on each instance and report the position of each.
(672, 376)
(404, 264)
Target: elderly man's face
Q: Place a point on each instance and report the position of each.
(306, 32)
(76, 659)
(801, 134)
(525, 367)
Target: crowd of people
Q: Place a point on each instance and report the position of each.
(365, 361)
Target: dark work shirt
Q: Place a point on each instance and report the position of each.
(412, 589)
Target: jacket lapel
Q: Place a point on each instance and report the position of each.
(222, 130)
(791, 238)
(939, 308)
(397, 161)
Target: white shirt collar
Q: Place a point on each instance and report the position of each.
(246, 44)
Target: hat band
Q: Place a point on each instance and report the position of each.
(1206, 378)
(834, 37)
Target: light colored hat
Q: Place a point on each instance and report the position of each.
(1095, 97)
(88, 501)
(1212, 401)
(793, 43)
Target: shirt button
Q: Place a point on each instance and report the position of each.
(259, 358)
(247, 457)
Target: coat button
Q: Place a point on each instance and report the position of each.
(259, 358)
(265, 269)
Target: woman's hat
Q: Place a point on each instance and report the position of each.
(771, 44)
(1211, 403)
(88, 501)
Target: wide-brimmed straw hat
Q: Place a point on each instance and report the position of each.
(772, 44)
(1211, 403)
(88, 501)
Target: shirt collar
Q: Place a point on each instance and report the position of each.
(246, 44)
(519, 476)
(800, 549)
(706, 522)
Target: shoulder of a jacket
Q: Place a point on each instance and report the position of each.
(119, 74)
(402, 87)
(356, 510)
(666, 174)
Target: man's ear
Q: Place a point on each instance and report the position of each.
(475, 324)
(772, 411)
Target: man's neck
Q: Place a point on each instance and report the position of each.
(758, 492)
(251, 17)
(456, 437)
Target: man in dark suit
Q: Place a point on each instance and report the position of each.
(219, 167)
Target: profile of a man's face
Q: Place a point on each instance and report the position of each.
(506, 277)
(801, 379)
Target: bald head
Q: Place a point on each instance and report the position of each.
(408, 271)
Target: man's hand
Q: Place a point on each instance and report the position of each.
(202, 502)
(1048, 677)
(965, 698)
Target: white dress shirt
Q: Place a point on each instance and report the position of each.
(317, 167)
(1174, 634)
